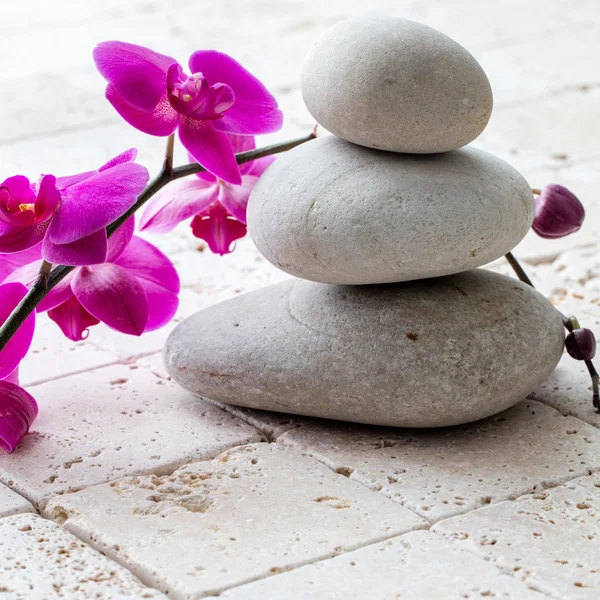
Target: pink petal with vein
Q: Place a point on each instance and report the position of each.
(147, 262)
(9, 263)
(59, 294)
(125, 157)
(18, 410)
(255, 110)
(161, 121)
(69, 180)
(89, 250)
(16, 239)
(211, 148)
(120, 239)
(73, 320)
(16, 349)
(94, 203)
(234, 198)
(177, 202)
(48, 198)
(162, 305)
(114, 296)
(137, 73)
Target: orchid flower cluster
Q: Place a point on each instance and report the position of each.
(84, 224)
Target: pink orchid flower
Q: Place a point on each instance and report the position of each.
(152, 93)
(18, 408)
(68, 215)
(218, 208)
(134, 291)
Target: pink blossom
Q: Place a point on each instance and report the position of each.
(68, 215)
(152, 93)
(134, 291)
(18, 408)
(217, 207)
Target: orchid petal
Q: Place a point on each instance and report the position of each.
(89, 250)
(16, 239)
(234, 198)
(69, 180)
(114, 296)
(243, 143)
(162, 305)
(48, 198)
(255, 110)
(16, 349)
(177, 202)
(137, 73)
(147, 262)
(18, 410)
(211, 148)
(119, 240)
(217, 230)
(13, 377)
(259, 166)
(125, 157)
(19, 188)
(91, 205)
(59, 294)
(9, 263)
(161, 121)
(73, 320)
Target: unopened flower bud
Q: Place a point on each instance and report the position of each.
(558, 212)
(581, 344)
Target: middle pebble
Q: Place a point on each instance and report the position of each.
(335, 212)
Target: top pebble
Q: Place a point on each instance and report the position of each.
(396, 85)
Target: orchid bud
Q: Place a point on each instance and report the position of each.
(581, 344)
(558, 212)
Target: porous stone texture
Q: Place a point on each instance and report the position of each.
(113, 422)
(548, 539)
(415, 566)
(11, 503)
(39, 560)
(569, 390)
(334, 212)
(454, 470)
(394, 84)
(367, 354)
(222, 522)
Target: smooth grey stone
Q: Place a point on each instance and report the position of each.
(421, 354)
(335, 212)
(396, 85)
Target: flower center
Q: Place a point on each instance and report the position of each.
(194, 97)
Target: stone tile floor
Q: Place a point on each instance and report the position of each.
(143, 491)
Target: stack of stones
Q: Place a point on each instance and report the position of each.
(385, 222)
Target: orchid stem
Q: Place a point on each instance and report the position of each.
(42, 280)
(168, 164)
(569, 324)
(49, 277)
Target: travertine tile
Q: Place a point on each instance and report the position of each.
(104, 424)
(569, 391)
(39, 560)
(443, 472)
(52, 355)
(414, 566)
(271, 424)
(549, 540)
(252, 512)
(11, 503)
(533, 134)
